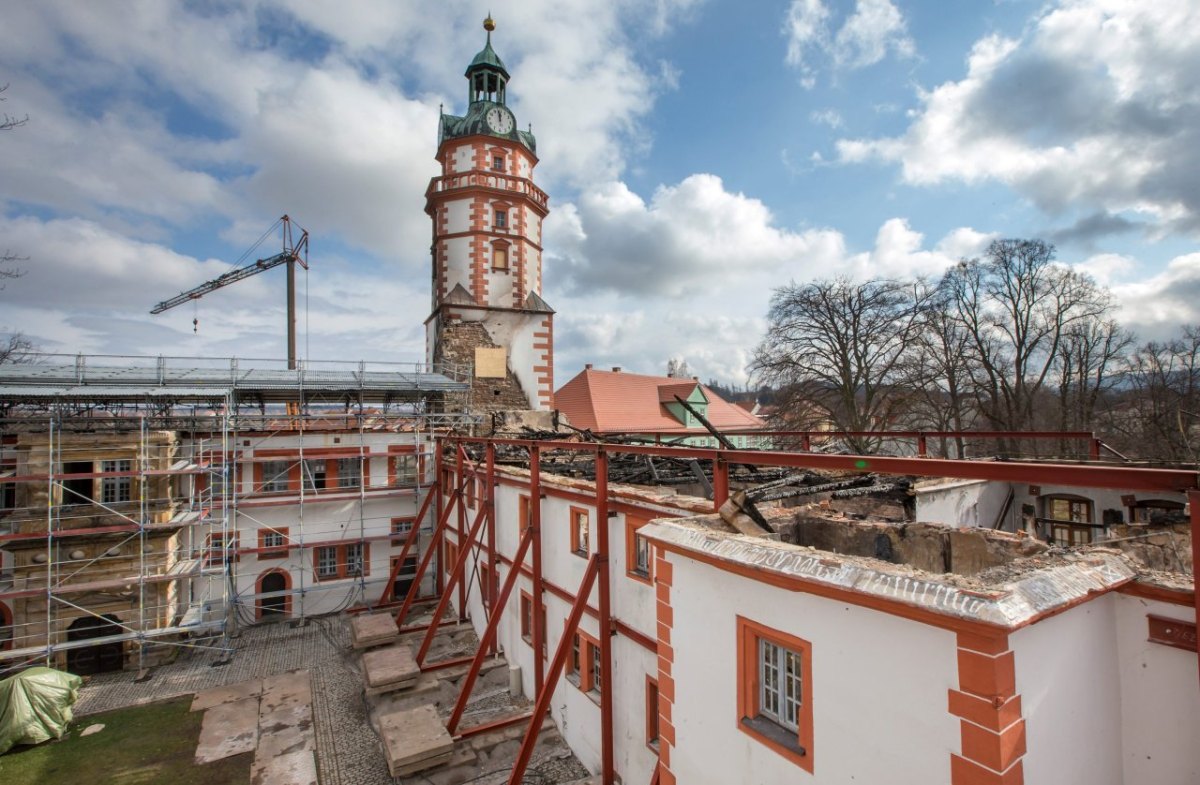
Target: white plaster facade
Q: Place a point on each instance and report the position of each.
(325, 517)
(1095, 702)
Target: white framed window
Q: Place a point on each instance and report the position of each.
(349, 472)
(275, 476)
(354, 559)
(116, 489)
(502, 219)
(641, 553)
(327, 566)
(780, 684)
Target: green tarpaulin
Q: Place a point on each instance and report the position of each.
(35, 705)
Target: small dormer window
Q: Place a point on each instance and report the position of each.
(498, 163)
(502, 219)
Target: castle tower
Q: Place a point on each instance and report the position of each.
(487, 248)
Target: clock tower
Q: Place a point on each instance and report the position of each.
(487, 248)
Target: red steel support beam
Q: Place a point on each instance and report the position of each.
(1194, 509)
(460, 529)
(922, 445)
(720, 482)
(1079, 475)
(556, 668)
(607, 770)
(489, 503)
(489, 634)
(390, 588)
(455, 501)
(484, 727)
(535, 527)
(456, 579)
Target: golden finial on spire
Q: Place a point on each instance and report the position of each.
(489, 24)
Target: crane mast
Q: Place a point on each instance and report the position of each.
(294, 252)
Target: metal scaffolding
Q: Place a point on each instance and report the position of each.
(122, 492)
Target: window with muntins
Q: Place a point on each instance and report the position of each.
(327, 562)
(501, 219)
(349, 472)
(275, 476)
(775, 691)
(272, 544)
(116, 489)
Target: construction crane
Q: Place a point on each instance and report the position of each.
(293, 253)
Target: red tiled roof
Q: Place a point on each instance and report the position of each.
(619, 402)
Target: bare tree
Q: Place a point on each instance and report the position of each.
(939, 374)
(1088, 368)
(1159, 412)
(835, 349)
(16, 346)
(1017, 306)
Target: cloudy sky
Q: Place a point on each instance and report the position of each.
(697, 153)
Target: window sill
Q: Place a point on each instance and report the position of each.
(581, 553)
(783, 740)
(641, 577)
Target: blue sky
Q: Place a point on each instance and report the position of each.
(696, 153)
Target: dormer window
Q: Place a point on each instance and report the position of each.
(501, 219)
(498, 163)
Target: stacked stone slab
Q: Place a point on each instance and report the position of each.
(368, 630)
(389, 669)
(414, 740)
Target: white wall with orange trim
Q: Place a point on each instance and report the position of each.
(1068, 676)
(878, 695)
(1160, 700)
(577, 714)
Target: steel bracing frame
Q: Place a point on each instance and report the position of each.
(452, 453)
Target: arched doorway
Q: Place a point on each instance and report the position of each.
(102, 657)
(278, 606)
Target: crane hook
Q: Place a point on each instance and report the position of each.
(195, 325)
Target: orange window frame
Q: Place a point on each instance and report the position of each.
(527, 621)
(485, 584)
(396, 450)
(342, 562)
(398, 537)
(749, 633)
(277, 552)
(652, 731)
(579, 546)
(523, 512)
(632, 524)
(293, 474)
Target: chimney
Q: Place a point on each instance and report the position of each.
(587, 367)
(616, 369)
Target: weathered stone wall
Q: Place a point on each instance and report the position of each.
(1166, 548)
(458, 343)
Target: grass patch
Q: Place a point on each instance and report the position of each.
(141, 744)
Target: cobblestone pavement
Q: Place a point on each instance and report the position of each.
(348, 752)
(347, 749)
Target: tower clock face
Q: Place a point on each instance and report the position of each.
(499, 119)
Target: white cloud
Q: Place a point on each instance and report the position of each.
(829, 117)
(1095, 108)
(875, 27)
(866, 36)
(1156, 307)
